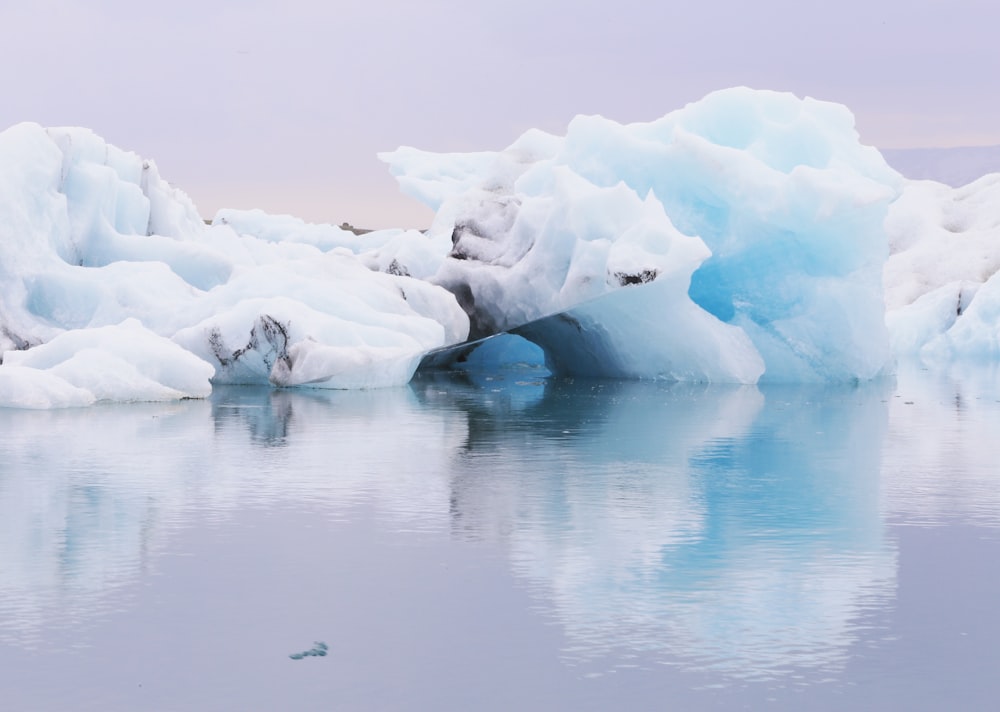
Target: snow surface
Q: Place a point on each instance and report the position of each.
(746, 237)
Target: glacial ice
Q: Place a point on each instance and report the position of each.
(92, 239)
(748, 227)
(746, 237)
(941, 291)
(124, 362)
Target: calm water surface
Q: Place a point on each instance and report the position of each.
(507, 543)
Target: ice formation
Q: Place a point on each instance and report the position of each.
(96, 247)
(123, 362)
(738, 238)
(941, 290)
(746, 237)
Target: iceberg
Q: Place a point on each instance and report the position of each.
(942, 294)
(747, 237)
(738, 239)
(107, 271)
(125, 362)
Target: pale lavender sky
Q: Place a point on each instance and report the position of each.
(282, 105)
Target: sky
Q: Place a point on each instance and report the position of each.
(283, 104)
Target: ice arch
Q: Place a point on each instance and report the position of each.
(739, 238)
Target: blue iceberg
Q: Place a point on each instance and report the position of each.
(739, 238)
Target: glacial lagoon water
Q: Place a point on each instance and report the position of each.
(507, 543)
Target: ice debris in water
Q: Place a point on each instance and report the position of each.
(319, 650)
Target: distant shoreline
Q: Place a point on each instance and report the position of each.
(953, 166)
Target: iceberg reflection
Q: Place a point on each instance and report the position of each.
(941, 452)
(88, 498)
(728, 527)
(737, 529)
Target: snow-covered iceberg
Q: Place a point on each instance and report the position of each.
(124, 362)
(91, 237)
(941, 286)
(738, 238)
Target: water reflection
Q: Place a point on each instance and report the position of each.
(721, 526)
(942, 450)
(82, 496)
(266, 414)
(732, 529)
(88, 497)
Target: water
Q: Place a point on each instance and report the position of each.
(507, 543)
